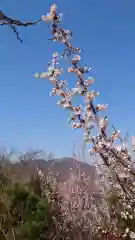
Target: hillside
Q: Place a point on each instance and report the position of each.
(22, 172)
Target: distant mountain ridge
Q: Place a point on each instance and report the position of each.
(23, 172)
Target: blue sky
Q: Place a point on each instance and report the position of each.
(29, 116)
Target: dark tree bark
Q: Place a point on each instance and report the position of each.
(13, 23)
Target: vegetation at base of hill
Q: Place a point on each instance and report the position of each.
(25, 212)
(36, 210)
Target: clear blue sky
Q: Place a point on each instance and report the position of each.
(29, 116)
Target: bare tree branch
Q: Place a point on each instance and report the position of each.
(5, 20)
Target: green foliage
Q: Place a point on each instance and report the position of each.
(24, 213)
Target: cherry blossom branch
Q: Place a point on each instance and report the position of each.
(87, 118)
